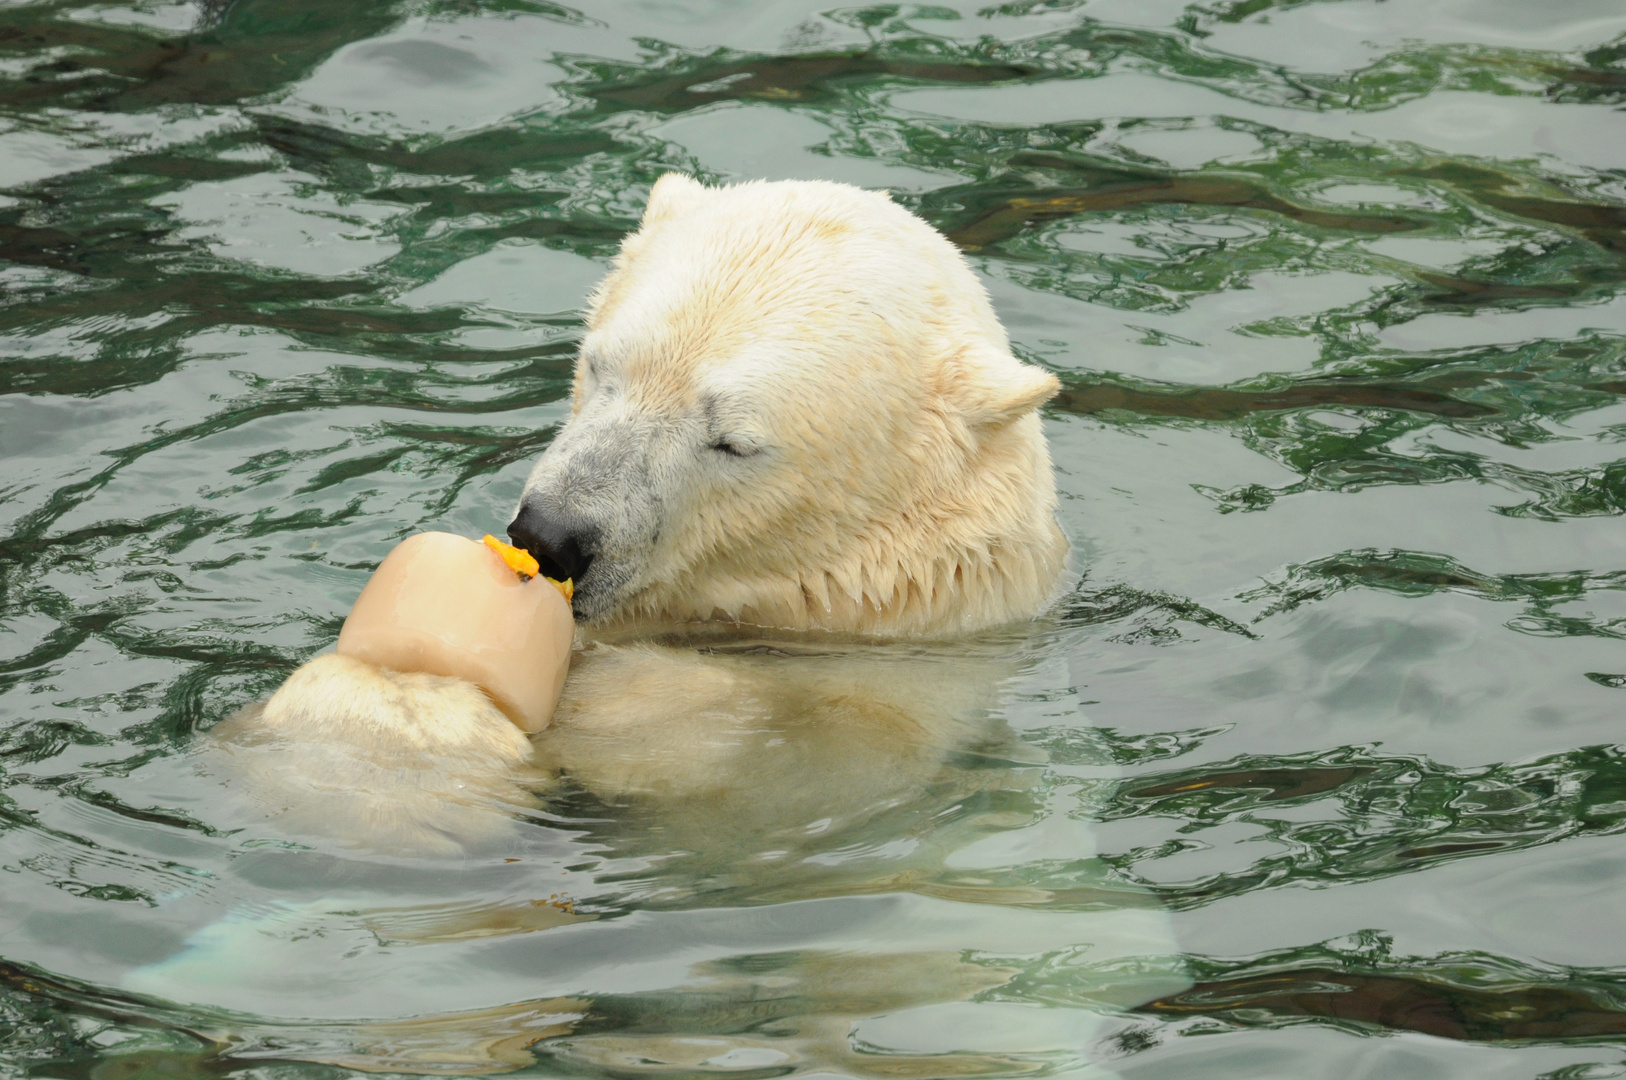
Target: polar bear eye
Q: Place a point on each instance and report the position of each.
(592, 366)
(733, 449)
(719, 421)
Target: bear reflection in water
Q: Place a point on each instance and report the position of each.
(759, 774)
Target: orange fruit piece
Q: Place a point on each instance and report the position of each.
(521, 561)
(518, 559)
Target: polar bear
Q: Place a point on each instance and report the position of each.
(797, 432)
(808, 508)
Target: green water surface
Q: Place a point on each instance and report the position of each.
(1318, 769)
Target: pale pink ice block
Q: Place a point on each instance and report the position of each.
(447, 605)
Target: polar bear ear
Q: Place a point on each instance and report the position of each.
(671, 195)
(992, 387)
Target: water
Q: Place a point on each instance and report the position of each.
(1316, 772)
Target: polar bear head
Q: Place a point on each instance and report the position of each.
(795, 407)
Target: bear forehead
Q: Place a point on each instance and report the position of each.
(719, 281)
(705, 305)
(729, 381)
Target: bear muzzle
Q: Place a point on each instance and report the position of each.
(562, 543)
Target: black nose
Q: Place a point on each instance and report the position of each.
(562, 543)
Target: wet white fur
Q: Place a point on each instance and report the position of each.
(892, 478)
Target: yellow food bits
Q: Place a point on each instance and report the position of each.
(518, 559)
(521, 561)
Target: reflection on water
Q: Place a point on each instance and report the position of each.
(1323, 744)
